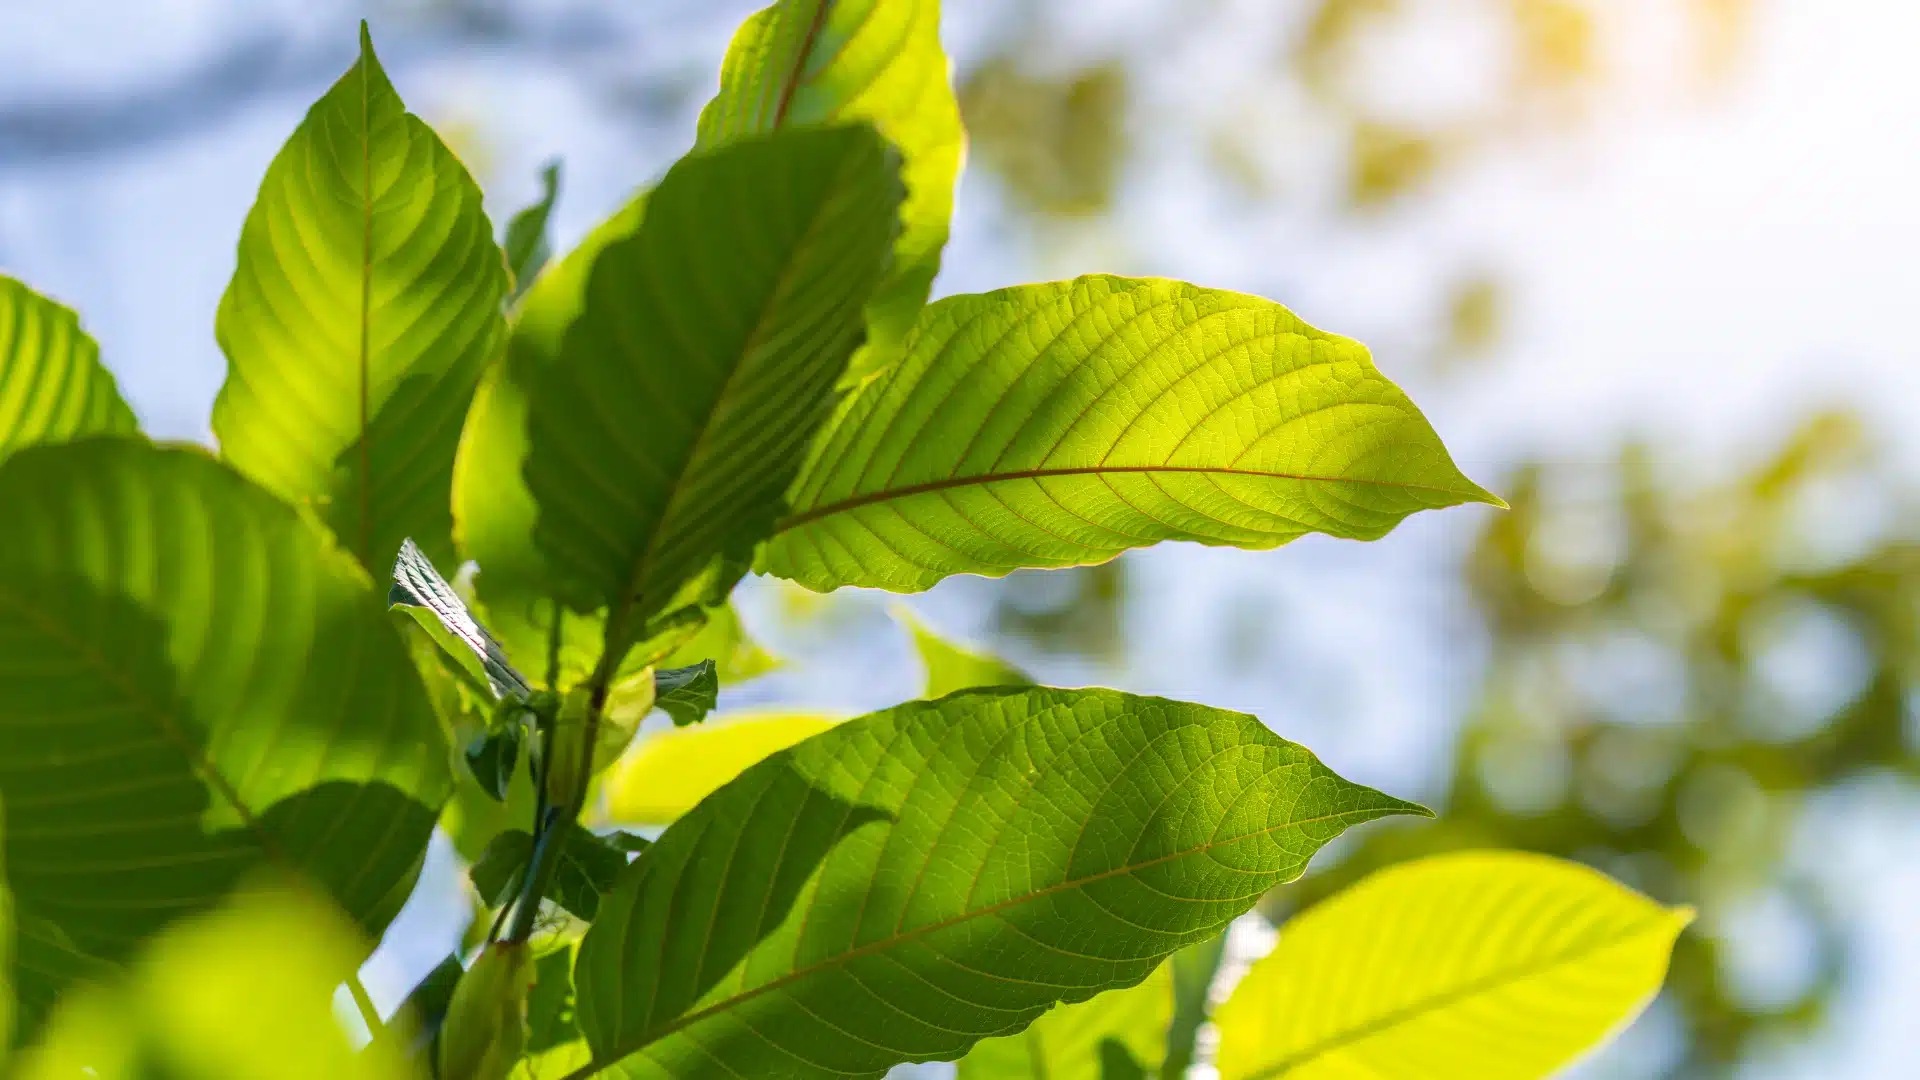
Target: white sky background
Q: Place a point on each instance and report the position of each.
(1708, 270)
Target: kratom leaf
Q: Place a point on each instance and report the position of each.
(491, 759)
(365, 306)
(526, 245)
(1193, 970)
(588, 867)
(550, 1006)
(52, 385)
(421, 1012)
(804, 63)
(193, 681)
(426, 596)
(1069, 1043)
(951, 667)
(687, 694)
(1494, 965)
(1061, 424)
(907, 883)
(667, 774)
(201, 1004)
(724, 322)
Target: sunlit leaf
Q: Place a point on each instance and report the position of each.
(951, 667)
(525, 244)
(724, 322)
(812, 62)
(193, 681)
(365, 306)
(1061, 424)
(240, 993)
(1491, 965)
(426, 596)
(907, 883)
(1069, 1042)
(52, 385)
(666, 774)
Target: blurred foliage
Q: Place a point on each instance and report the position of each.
(1056, 141)
(1076, 611)
(1674, 672)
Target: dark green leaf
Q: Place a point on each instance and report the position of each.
(1118, 1063)
(906, 883)
(526, 244)
(364, 308)
(628, 842)
(550, 1019)
(52, 385)
(193, 681)
(725, 322)
(587, 868)
(687, 694)
(496, 874)
(491, 758)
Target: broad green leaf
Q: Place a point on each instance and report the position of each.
(1067, 1043)
(236, 994)
(365, 306)
(907, 883)
(1194, 968)
(1061, 424)
(951, 667)
(525, 244)
(667, 774)
(52, 385)
(1489, 965)
(686, 694)
(426, 596)
(724, 322)
(813, 62)
(194, 681)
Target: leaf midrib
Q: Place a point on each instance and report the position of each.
(855, 502)
(795, 76)
(894, 940)
(365, 537)
(1444, 999)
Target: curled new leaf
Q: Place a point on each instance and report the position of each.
(1061, 424)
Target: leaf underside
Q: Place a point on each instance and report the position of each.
(193, 682)
(909, 882)
(1061, 424)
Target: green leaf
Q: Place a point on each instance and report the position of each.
(526, 245)
(1118, 1063)
(736, 656)
(193, 681)
(1071, 1042)
(1193, 970)
(813, 62)
(365, 306)
(52, 385)
(491, 759)
(588, 866)
(426, 596)
(667, 774)
(1061, 424)
(724, 322)
(687, 694)
(1490, 965)
(950, 667)
(550, 1019)
(907, 883)
(201, 1004)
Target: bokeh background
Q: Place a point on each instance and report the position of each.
(1647, 264)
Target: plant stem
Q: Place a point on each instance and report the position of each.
(364, 1002)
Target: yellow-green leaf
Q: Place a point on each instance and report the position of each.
(665, 775)
(1490, 965)
(1065, 1044)
(952, 667)
(52, 385)
(804, 63)
(365, 306)
(1061, 424)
